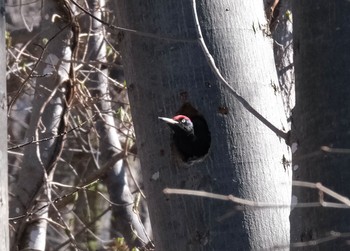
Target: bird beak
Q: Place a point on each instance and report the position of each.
(169, 121)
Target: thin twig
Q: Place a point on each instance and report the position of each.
(222, 197)
(32, 71)
(323, 189)
(88, 182)
(33, 141)
(85, 228)
(328, 149)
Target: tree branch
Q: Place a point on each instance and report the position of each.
(217, 73)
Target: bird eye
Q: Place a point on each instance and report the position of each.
(183, 121)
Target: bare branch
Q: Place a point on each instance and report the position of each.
(345, 202)
(33, 141)
(32, 71)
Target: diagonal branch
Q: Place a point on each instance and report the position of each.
(216, 71)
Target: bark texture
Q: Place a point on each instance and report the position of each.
(321, 118)
(246, 158)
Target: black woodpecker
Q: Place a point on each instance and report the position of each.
(191, 137)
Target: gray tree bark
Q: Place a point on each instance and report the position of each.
(246, 158)
(4, 215)
(46, 122)
(321, 118)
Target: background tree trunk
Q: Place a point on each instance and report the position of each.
(246, 158)
(321, 118)
(4, 215)
(46, 122)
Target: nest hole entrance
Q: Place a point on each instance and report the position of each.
(192, 146)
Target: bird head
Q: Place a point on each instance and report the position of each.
(179, 123)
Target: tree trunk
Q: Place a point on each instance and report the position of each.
(46, 122)
(4, 231)
(321, 118)
(246, 158)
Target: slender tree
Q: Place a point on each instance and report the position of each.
(4, 232)
(321, 121)
(168, 67)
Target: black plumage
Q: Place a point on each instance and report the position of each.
(191, 136)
